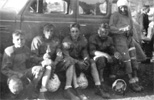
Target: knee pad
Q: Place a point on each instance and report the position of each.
(128, 67)
(67, 63)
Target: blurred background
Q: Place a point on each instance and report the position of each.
(137, 5)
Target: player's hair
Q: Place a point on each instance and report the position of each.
(48, 26)
(76, 25)
(18, 33)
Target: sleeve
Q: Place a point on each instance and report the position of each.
(30, 60)
(135, 35)
(131, 23)
(140, 20)
(7, 63)
(35, 50)
(92, 46)
(35, 46)
(59, 55)
(112, 23)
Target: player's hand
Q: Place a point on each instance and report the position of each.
(47, 62)
(60, 54)
(46, 56)
(83, 65)
(66, 45)
(125, 29)
(86, 64)
(36, 70)
(117, 55)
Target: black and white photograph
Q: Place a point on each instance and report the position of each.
(76, 49)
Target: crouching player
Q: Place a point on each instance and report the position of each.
(14, 66)
(103, 52)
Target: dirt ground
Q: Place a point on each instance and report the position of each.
(146, 75)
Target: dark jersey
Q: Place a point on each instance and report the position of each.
(39, 46)
(97, 44)
(78, 49)
(14, 59)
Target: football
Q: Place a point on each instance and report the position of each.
(53, 84)
(82, 81)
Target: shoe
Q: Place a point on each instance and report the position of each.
(80, 94)
(101, 92)
(136, 87)
(68, 93)
(42, 96)
(104, 87)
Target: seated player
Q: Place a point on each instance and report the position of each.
(14, 66)
(74, 48)
(102, 51)
(46, 49)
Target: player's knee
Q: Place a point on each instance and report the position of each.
(48, 67)
(68, 63)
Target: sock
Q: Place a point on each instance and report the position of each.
(43, 89)
(67, 87)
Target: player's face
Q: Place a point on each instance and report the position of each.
(123, 10)
(48, 33)
(74, 33)
(19, 41)
(102, 33)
